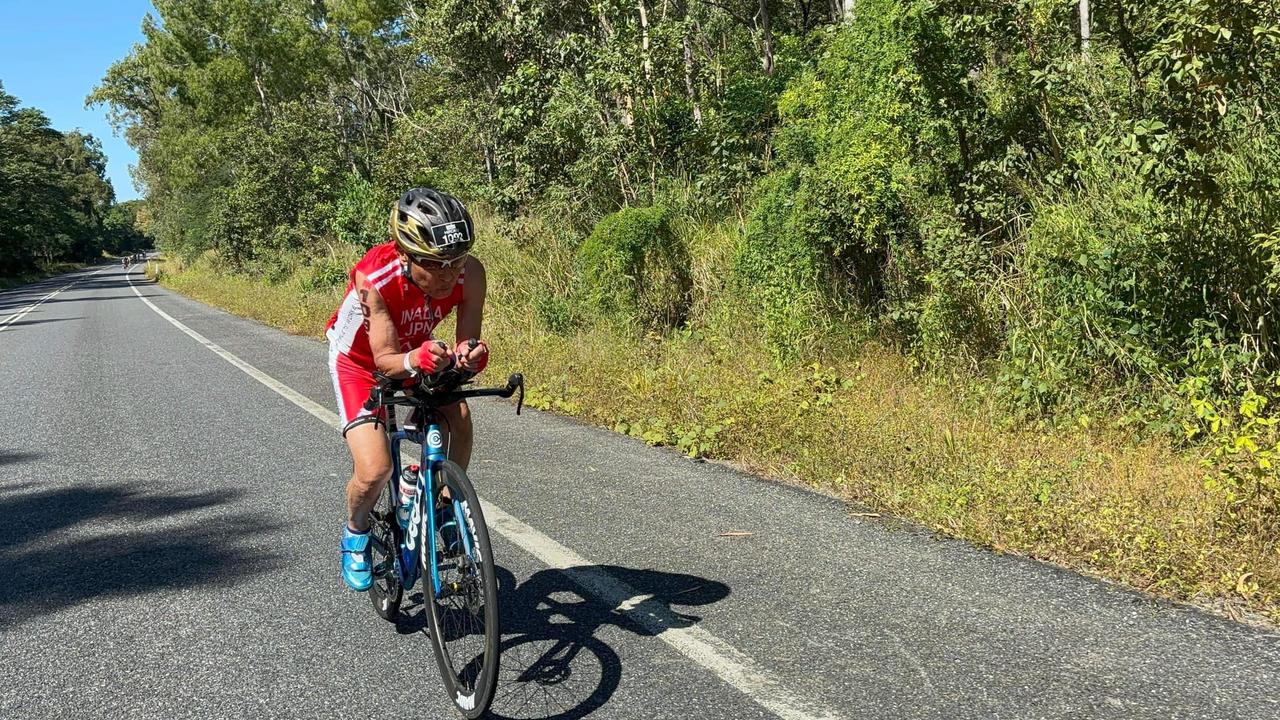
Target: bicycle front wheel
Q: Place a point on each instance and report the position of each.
(463, 612)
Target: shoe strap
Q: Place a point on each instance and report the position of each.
(352, 543)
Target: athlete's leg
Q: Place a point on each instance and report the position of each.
(371, 460)
(458, 418)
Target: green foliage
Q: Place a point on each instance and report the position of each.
(1244, 468)
(967, 176)
(122, 228)
(360, 213)
(632, 269)
(54, 196)
(330, 270)
(780, 264)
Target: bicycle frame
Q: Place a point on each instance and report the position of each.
(412, 542)
(418, 539)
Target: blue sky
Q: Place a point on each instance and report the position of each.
(53, 53)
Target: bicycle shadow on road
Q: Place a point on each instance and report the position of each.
(554, 665)
(63, 546)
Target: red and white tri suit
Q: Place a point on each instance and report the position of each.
(415, 316)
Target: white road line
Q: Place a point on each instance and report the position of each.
(19, 315)
(719, 657)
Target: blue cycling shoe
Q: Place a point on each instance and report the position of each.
(357, 573)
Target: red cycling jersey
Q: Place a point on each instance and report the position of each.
(414, 314)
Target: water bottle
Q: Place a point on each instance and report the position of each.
(408, 488)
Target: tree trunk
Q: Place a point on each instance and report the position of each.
(646, 63)
(682, 10)
(688, 80)
(766, 29)
(1084, 27)
(262, 96)
(606, 28)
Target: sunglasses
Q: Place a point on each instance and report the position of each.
(426, 264)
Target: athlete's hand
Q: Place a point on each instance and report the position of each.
(473, 355)
(432, 357)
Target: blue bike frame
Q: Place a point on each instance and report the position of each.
(422, 524)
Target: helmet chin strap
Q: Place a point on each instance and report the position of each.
(404, 270)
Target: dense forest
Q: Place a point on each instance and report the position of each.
(947, 258)
(1076, 202)
(56, 204)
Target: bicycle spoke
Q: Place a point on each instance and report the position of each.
(462, 620)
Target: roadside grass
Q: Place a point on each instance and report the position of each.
(286, 305)
(858, 422)
(44, 271)
(872, 431)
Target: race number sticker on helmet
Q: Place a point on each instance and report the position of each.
(448, 234)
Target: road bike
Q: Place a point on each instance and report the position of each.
(445, 541)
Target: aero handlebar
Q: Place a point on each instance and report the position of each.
(438, 391)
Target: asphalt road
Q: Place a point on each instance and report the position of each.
(168, 533)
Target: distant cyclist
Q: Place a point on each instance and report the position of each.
(399, 291)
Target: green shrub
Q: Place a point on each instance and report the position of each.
(834, 231)
(632, 270)
(360, 214)
(557, 313)
(330, 270)
(780, 264)
(530, 264)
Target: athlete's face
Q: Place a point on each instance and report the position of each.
(435, 279)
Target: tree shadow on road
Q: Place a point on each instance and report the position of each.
(15, 300)
(8, 457)
(64, 546)
(39, 321)
(553, 664)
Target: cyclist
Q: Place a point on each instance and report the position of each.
(399, 291)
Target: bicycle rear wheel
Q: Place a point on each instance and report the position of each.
(463, 615)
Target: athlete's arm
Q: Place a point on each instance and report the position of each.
(384, 343)
(470, 317)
